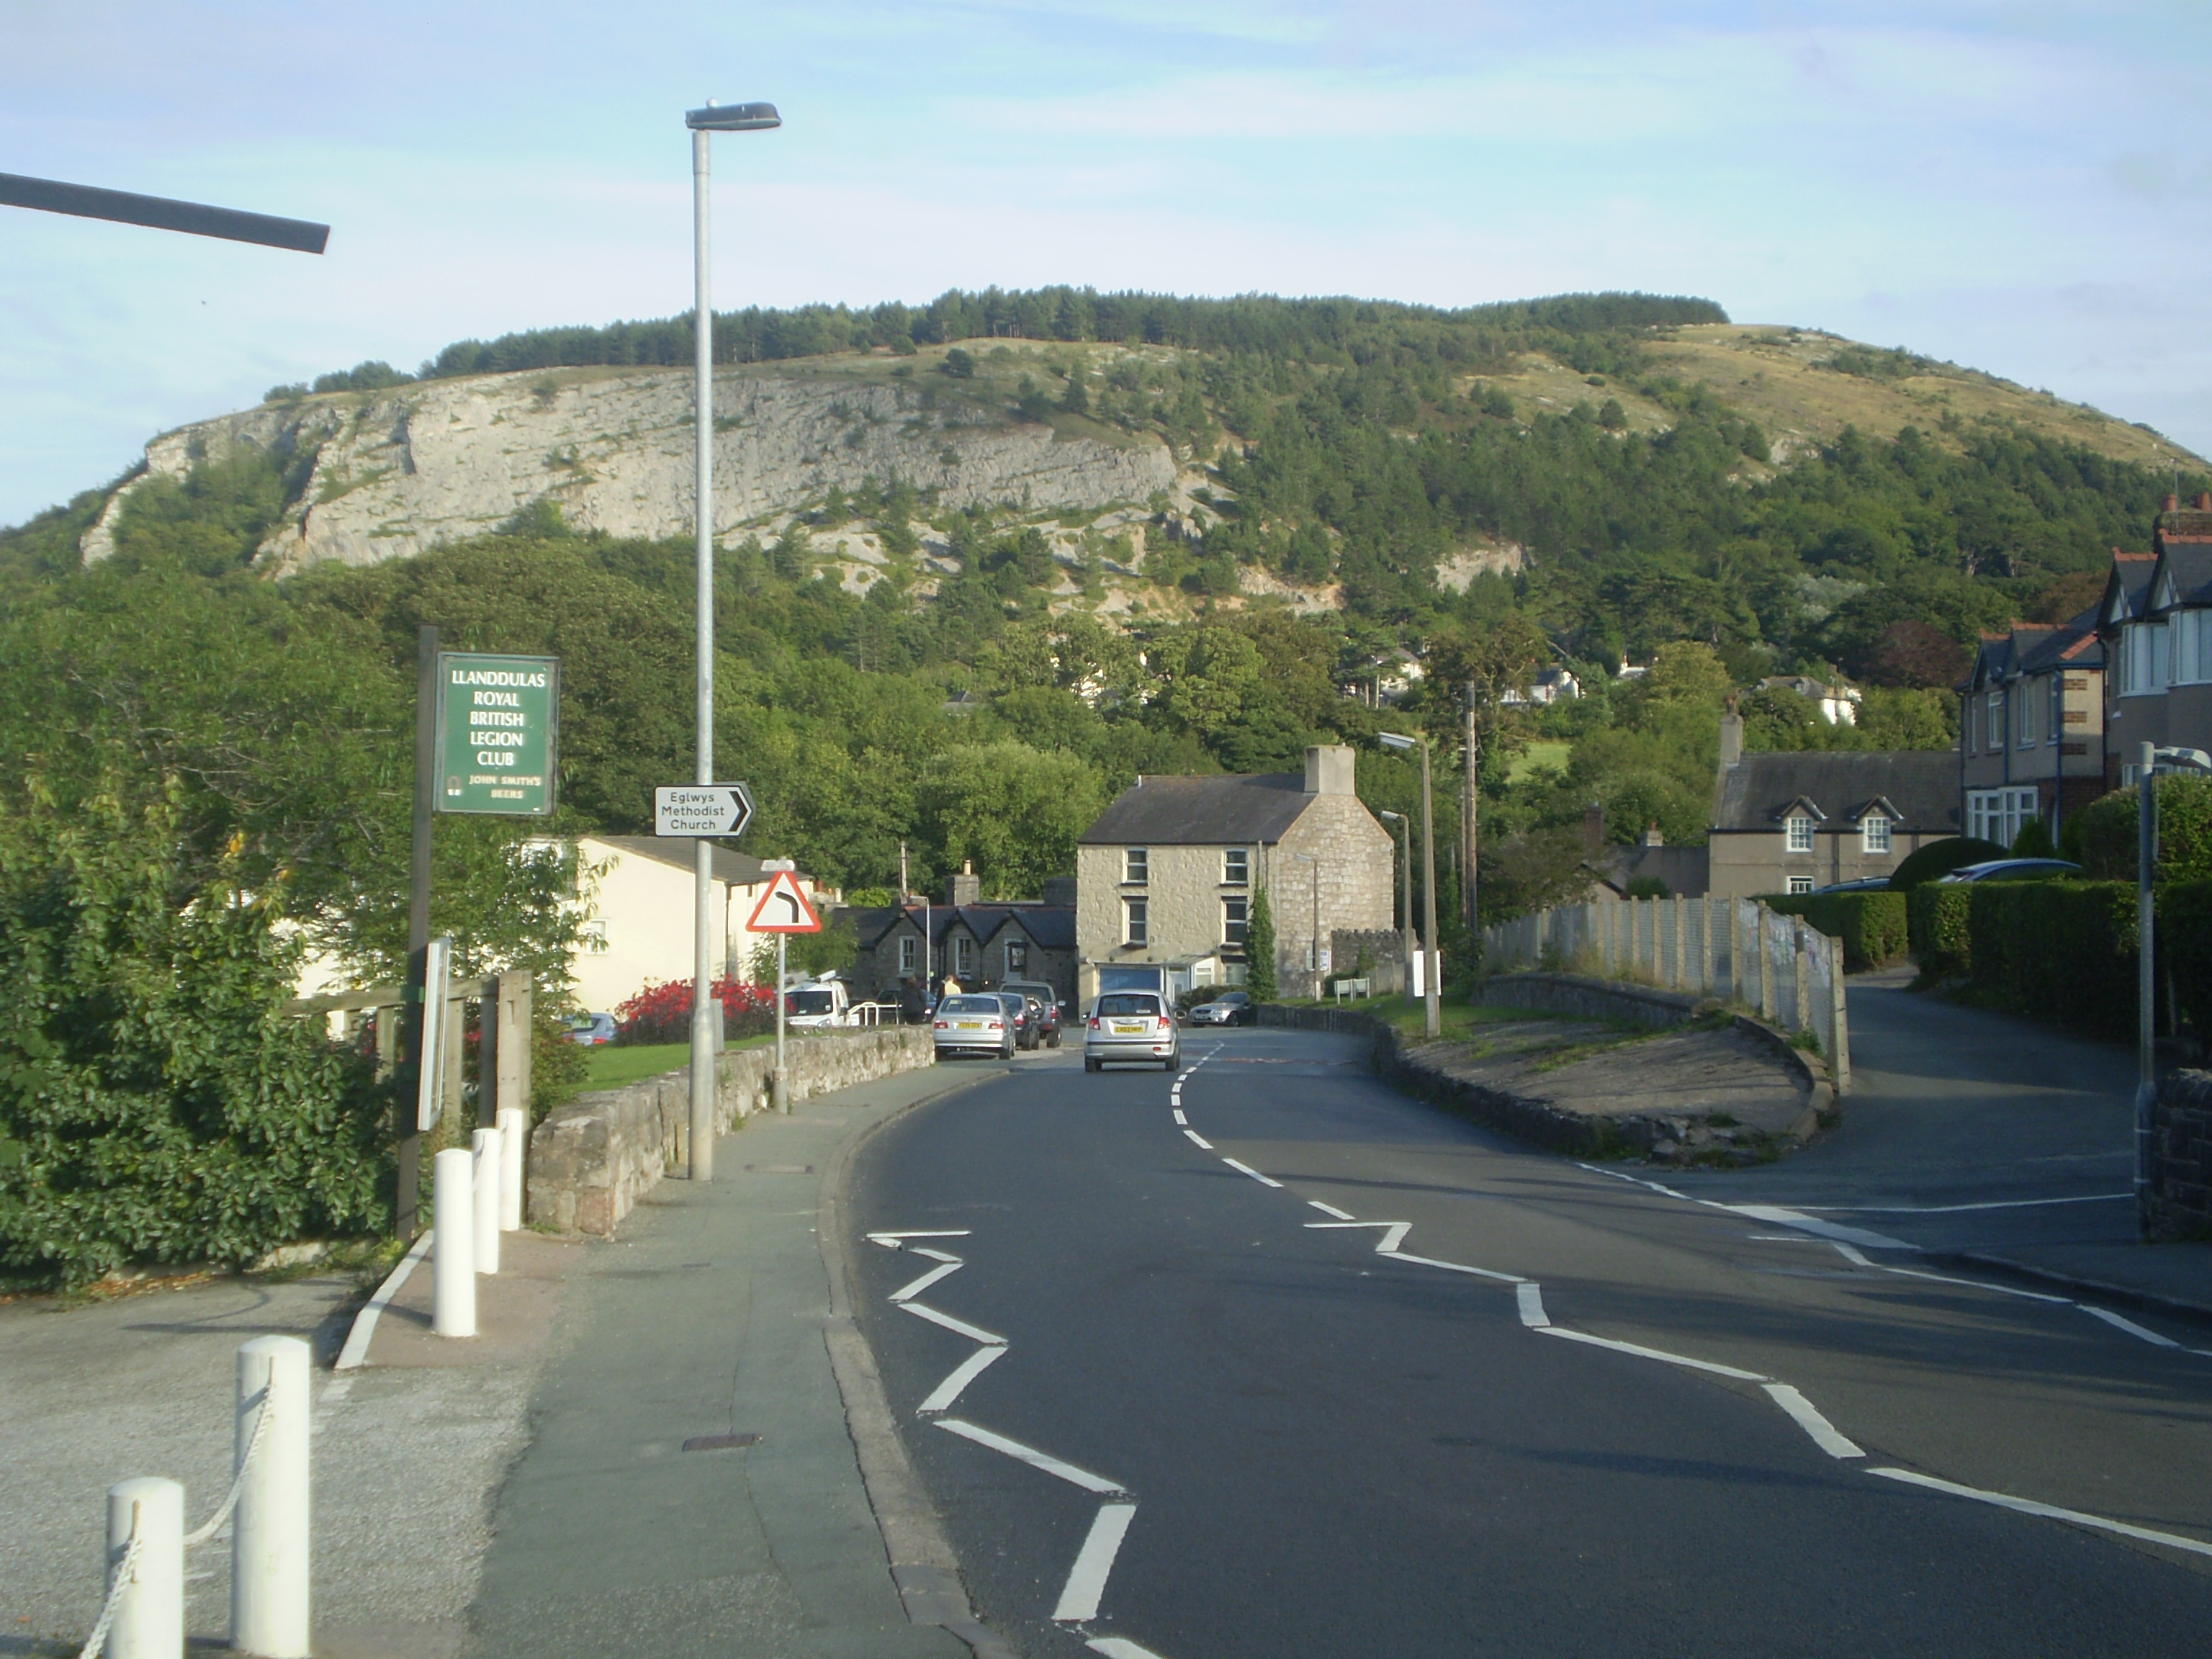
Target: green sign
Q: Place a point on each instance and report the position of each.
(499, 721)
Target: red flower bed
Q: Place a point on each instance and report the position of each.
(662, 1013)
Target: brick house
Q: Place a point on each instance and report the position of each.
(2155, 625)
(1167, 873)
(2031, 727)
(1791, 822)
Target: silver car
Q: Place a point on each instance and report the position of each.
(973, 1025)
(1131, 1025)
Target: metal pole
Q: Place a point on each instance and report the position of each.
(415, 1013)
(780, 1090)
(701, 1104)
(1432, 1018)
(1470, 807)
(2146, 977)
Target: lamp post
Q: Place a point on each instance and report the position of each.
(2151, 760)
(1313, 949)
(704, 124)
(1405, 865)
(1432, 1017)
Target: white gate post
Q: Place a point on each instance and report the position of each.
(1800, 993)
(269, 1544)
(1840, 1021)
(149, 1618)
(485, 1167)
(514, 1132)
(453, 1225)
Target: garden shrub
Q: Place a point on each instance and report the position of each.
(2059, 951)
(1940, 933)
(2104, 831)
(662, 1013)
(1871, 925)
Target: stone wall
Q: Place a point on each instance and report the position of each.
(2180, 1203)
(1592, 998)
(593, 1158)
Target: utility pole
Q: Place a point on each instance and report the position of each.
(2145, 978)
(1470, 834)
(415, 1013)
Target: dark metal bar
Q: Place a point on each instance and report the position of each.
(162, 213)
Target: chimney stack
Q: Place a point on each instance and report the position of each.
(1329, 771)
(1594, 828)
(2205, 501)
(1731, 737)
(2172, 503)
(1652, 835)
(966, 888)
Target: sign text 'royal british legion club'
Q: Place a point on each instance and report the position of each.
(498, 733)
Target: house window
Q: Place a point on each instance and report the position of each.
(1237, 867)
(1018, 958)
(2143, 660)
(1970, 724)
(1801, 883)
(964, 957)
(1135, 928)
(1873, 833)
(1236, 913)
(1997, 815)
(2025, 736)
(909, 953)
(1800, 830)
(1136, 865)
(594, 936)
(1997, 703)
(2189, 638)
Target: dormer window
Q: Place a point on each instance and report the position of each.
(1874, 832)
(1798, 827)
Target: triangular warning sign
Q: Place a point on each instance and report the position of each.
(784, 909)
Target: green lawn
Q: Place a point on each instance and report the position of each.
(1539, 756)
(610, 1067)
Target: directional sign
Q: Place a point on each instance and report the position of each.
(499, 721)
(784, 909)
(702, 809)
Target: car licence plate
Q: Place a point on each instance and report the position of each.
(971, 1024)
(1128, 1028)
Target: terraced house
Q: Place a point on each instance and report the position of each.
(2031, 727)
(1166, 873)
(2155, 625)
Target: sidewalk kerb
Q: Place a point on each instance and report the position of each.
(2138, 1298)
(355, 1354)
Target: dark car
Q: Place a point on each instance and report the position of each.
(1863, 885)
(1022, 1011)
(1048, 1014)
(1230, 1008)
(2013, 869)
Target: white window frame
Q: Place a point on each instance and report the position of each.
(909, 953)
(1235, 867)
(2188, 648)
(1999, 815)
(1236, 921)
(964, 957)
(1996, 707)
(2143, 660)
(1136, 921)
(1136, 866)
(592, 936)
(1017, 969)
(1873, 833)
(1801, 883)
(1797, 833)
(2023, 735)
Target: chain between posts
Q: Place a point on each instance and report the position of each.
(237, 1485)
(125, 1572)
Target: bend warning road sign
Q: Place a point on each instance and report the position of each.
(702, 809)
(784, 909)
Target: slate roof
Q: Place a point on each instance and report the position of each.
(739, 869)
(1203, 812)
(1051, 925)
(1922, 784)
(2188, 567)
(1686, 869)
(2036, 648)
(2126, 589)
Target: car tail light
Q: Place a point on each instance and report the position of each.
(1094, 1022)
(994, 1025)
(1165, 1022)
(941, 1025)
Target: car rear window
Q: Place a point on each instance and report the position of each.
(1125, 1003)
(971, 1005)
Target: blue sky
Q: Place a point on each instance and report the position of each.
(2024, 187)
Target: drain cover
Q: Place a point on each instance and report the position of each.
(781, 1169)
(720, 1442)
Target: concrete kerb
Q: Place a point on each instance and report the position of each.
(2150, 1301)
(924, 1565)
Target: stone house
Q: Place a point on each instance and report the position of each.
(2031, 727)
(2156, 627)
(1166, 873)
(1789, 822)
(981, 944)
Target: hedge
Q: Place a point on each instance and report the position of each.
(1937, 932)
(1872, 925)
(2103, 835)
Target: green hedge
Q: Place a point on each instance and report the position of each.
(2103, 835)
(1937, 932)
(1871, 925)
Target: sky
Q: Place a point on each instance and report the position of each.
(2023, 186)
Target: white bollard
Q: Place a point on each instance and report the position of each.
(269, 1552)
(150, 1620)
(486, 1184)
(454, 1229)
(513, 1131)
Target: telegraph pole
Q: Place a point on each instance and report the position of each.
(1470, 826)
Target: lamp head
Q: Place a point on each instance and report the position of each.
(733, 117)
(1394, 817)
(1392, 740)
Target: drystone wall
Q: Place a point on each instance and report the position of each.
(2180, 1203)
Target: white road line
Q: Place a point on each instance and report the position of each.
(355, 1354)
(906, 1292)
(2048, 1511)
(1456, 1267)
(1393, 1235)
(1804, 1222)
(891, 1241)
(1116, 1647)
(1246, 1168)
(1199, 1141)
(960, 1327)
(942, 1396)
(1531, 1299)
(1971, 1284)
(1086, 1579)
(1954, 1209)
(1849, 1252)
(2129, 1326)
(1651, 1353)
(1808, 1417)
(1034, 1458)
(1330, 1209)
(1180, 1119)
(934, 1255)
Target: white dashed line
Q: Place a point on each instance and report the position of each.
(942, 1396)
(1034, 1458)
(906, 1292)
(958, 1326)
(2129, 1326)
(934, 1255)
(1531, 1299)
(1641, 1352)
(1971, 1284)
(1330, 1209)
(2048, 1511)
(1116, 1647)
(1180, 1119)
(1199, 1141)
(1246, 1168)
(1086, 1579)
(1807, 1418)
(892, 1241)
(1454, 1266)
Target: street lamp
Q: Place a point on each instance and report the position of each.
(1406, 865)
(1432, 1018)
(1313, 949)
(704, 122)
(2151, 760)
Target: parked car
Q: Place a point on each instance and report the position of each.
(1048, 1006)
(1021, 1010)
(810, 1005)
(1230, 1008)
(1863, 885)
(1131, 1025)
(592, 1030)
(971, 1024)
(2012, 870)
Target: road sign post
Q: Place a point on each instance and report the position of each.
(695, 811)
(783, 910)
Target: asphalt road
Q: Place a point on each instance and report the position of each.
(1264, 1435)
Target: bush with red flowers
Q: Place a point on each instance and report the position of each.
(662, 1013)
